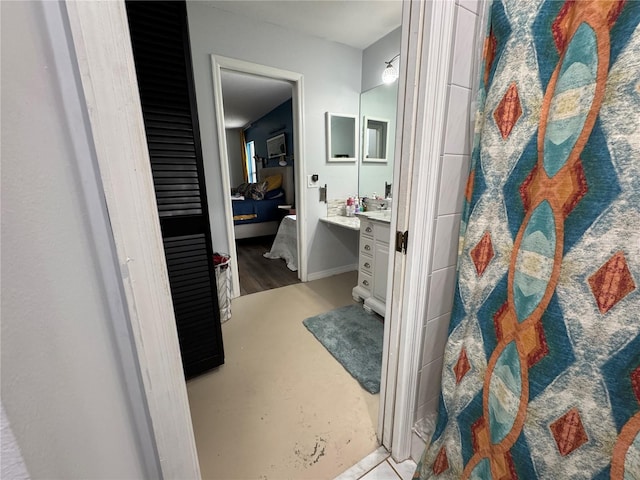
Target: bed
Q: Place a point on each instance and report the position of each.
(255, 218)
(285, 245)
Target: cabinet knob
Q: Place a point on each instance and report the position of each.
(368, 229)
(367, 265)
(367, 247)
(365, 283)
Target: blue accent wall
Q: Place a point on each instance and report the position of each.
(277, 121)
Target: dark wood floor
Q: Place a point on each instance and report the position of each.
(258, 273)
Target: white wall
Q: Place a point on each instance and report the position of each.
(63, 381)
(454, 170)
(234, 154)
(375, 56)
(332, 79)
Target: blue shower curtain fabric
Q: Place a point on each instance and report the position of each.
(541, 374)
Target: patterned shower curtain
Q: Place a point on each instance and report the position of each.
(541, 375)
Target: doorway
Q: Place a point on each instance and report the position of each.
(291, 173)
(259, 128)
(174, 439)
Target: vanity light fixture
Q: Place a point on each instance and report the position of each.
(390, 73)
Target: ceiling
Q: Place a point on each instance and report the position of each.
(248, 97)
(357, 23)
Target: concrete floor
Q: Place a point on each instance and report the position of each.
(281, 406)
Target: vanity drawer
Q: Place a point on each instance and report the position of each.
(366, 228)
(366, 263)
(365, 280)
(366, 245)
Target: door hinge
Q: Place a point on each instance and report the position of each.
(401, 241)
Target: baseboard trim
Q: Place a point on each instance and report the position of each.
(331, 272)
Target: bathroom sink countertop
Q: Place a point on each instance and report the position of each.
(377, 215)
(352, 223)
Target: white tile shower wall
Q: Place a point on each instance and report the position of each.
(471, 5)
(435, 336)
(453, 180)
(464, 42)
(457, 138)
(430, 376)
(445, 248)
(427, 415)
(441, 291)
(454, 170)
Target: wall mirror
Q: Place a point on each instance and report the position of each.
(376, 140)
(342, 137)
(378, 110)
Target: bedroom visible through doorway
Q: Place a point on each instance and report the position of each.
(258, 273)
(259, 134)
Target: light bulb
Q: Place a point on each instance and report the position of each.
(390, 74)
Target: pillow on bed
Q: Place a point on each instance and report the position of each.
(275, 193)
(273, 182)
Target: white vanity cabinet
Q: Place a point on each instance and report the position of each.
(373, 265)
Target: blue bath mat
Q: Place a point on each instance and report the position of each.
(354, 338)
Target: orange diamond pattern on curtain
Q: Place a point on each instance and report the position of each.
(541, 374)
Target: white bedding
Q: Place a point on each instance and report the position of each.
(285, 245)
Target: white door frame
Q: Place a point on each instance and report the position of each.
(430, 45)
(100, 35)
(297, 83)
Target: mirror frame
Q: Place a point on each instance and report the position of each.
(365, 140)
(329, 117)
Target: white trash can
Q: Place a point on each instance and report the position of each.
(221, 262)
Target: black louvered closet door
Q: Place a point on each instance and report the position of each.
(160, 39)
